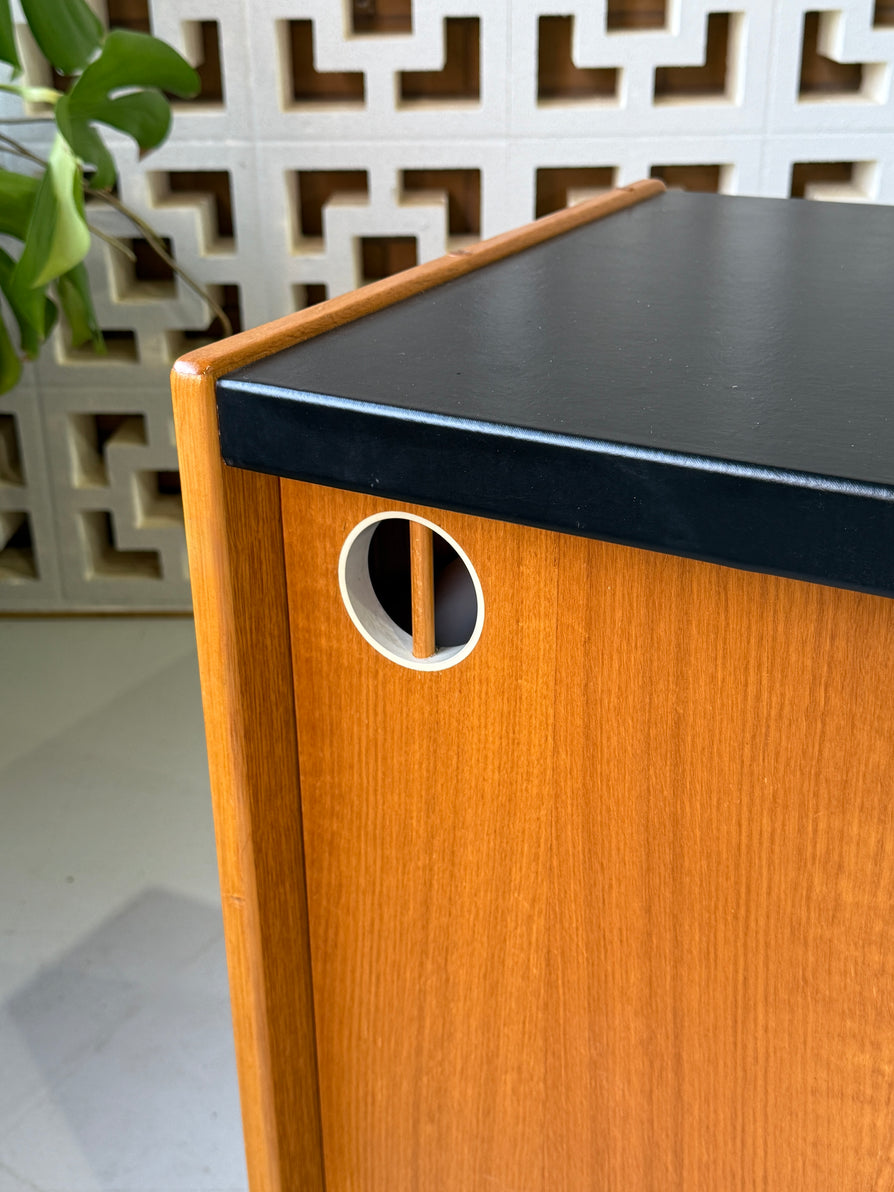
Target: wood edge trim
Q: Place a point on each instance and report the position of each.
(210, 581)
(217, 359)
(422, 589)
(211, 573)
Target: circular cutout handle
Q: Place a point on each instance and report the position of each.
(411, 591)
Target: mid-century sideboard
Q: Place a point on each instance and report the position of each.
(544, 604)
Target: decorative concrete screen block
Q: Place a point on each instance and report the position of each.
(29, 567)
(119, 518)
(335, 143)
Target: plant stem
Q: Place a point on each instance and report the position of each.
(148, 231)
(156, 242)
(113, 242)
(15, 147)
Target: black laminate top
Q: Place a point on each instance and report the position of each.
(708, 376)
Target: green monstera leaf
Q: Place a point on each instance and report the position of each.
(73, 292)
(34, 311)
(68, 31)
(131, 60)
(57, 237)
(120, 80)
(48, 216)
(87, 144)
(17, 194)
(10, 364)
(8, 51)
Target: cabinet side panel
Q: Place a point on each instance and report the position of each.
(426, 815)
(234, 532)
(608, 905)
(721, 953)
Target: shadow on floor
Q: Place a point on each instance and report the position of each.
(131, 1033)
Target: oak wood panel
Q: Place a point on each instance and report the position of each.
(426, 816)
(238, 586)
(609, 904)
(721, 913)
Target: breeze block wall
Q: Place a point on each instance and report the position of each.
(337, 141)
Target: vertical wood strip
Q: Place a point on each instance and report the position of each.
(234, 532)
(422, 574)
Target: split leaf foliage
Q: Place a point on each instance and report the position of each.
(120, 80)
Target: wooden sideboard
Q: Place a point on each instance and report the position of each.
(602, 899)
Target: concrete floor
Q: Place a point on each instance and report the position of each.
(116, 1055)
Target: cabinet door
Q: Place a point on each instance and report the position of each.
(608, 904)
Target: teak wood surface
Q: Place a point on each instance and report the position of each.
(422, 584)
(608, 905)
(234, 536)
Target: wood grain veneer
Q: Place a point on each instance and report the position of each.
(427, 823)
(422, 583)
(234, 534)
(608, 905)
(721, 905)
(238, 585)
